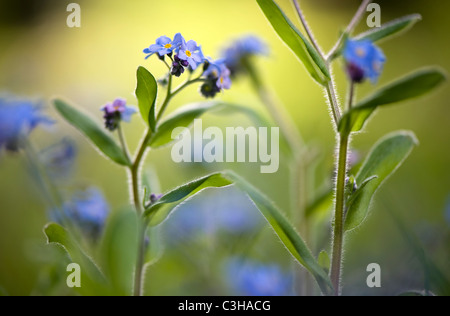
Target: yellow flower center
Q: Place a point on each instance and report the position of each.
(221, 80)
(361, 52)
(188, 53)
(168, 46)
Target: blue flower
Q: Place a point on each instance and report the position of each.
(59, 158)
(217, 77)
(192, 53)
(237, 54)
(364, 60)
(164, 46)
(17, 119)
(218, 70)
(88, 210)
(228, 211)
(116, 112)
(249, 278)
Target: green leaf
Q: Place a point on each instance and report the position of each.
(92, 280)
(160, 210)
(185, 116)
(285, 231)
(181, 118)
(358, 191)
(146, 92)
(155, 247)
(384, 159)
(92, 131)
(296, 41)
(411, 86)
(324, 261)
(389, 29)
(119, 251)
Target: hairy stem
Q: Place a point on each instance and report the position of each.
(135, 185)
(307, 28)
(123, 142)
(338, 233)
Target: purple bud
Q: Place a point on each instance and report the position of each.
(356, 73)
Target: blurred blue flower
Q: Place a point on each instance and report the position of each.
(87, 209)
(237, 54)
(249, 278)
(18, 117)
(228, 211)
(364, 60)
(217, 69)
(192, 53)
(116, 112)
(60, 158)
(164, 46)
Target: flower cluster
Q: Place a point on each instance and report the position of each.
(188, 54)
(236, 55)
(17, 119)
(116, 112)
(363, 60)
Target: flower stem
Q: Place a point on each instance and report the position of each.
(338, 234)
(135, 185)
(134, 169)
(307, 28)
(123, 142)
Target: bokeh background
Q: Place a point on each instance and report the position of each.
(40, 57)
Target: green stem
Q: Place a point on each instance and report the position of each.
(123, 142)
(135, 185)
(307, 28)
(338, 234)
(167, 99)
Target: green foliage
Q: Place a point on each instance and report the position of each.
(386, 156)
(95, 133)
(390, 29)
(181, 118)
(185, 116)
(92, 280)
(119, 251)
(296, 41)
(159, 211)
(285, 231)
(146, 93)
(324, 261)
(411, 86)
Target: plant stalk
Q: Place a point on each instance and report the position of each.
(135, 185)
(338, 233)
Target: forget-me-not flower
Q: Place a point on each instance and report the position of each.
(18, 118)
(116, 112)
(89, 211)
(364, 60)
(240, 50)
(164, 46)
(192, 53)
(249, 278)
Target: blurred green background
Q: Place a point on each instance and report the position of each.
(41, 57)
